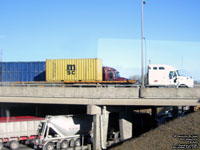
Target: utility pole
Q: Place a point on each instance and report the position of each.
(142, 46)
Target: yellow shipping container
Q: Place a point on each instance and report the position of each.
(74, 70)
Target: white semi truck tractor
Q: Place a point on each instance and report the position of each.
(64, 132)
(166, 75)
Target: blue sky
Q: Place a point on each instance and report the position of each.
(35, 30)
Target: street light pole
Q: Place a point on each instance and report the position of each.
(142, 46)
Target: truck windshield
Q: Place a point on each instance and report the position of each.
(117, 74)
(178, 73)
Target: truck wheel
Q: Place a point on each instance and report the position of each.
(14, 145)
(72, 143)
(64, 144)
(49, 146)
(77, 142)
(183, 86)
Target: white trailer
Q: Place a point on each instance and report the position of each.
(64, 132)
(165, 75)
(16, 129)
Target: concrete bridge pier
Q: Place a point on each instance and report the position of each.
(100, 124)
(125, 125)
(175, 111)
(104, 126)
(96, 139)
(154, 112)
(191, 108)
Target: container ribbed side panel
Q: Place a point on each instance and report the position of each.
(74, 70)
(22, 71)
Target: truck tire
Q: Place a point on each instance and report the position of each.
(14, 145)
(72, 143)
(49, 146)
(183, 86)
(64, 144)
(77, 142)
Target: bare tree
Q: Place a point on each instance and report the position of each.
(138, 78)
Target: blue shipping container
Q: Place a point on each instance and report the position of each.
(22, 71)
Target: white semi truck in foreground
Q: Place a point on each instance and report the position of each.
(49, 133)
(165, 75)
(64, 132)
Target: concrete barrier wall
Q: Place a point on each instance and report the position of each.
(110, 92)
(170, 92)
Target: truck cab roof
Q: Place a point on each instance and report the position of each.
(160, 67)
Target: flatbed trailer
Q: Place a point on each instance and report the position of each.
(77, 82)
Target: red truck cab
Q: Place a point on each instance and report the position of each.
(111, 74)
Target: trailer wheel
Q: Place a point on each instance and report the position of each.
(49, 146)
(72, 143)
(64, 144)
(14, 145)
(77, 142)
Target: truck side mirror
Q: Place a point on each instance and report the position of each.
(175, 80)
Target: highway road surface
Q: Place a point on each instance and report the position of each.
(21, 147)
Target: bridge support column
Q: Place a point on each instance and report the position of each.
(96, 138)
(96, 133)
(191, 108)
(125, 126)
(175, 111)
(104, 127)
(154, 112)
(100, 122)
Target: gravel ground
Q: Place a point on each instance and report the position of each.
(181, 133)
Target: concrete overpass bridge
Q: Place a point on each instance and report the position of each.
(101, 101)
(118, 96)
